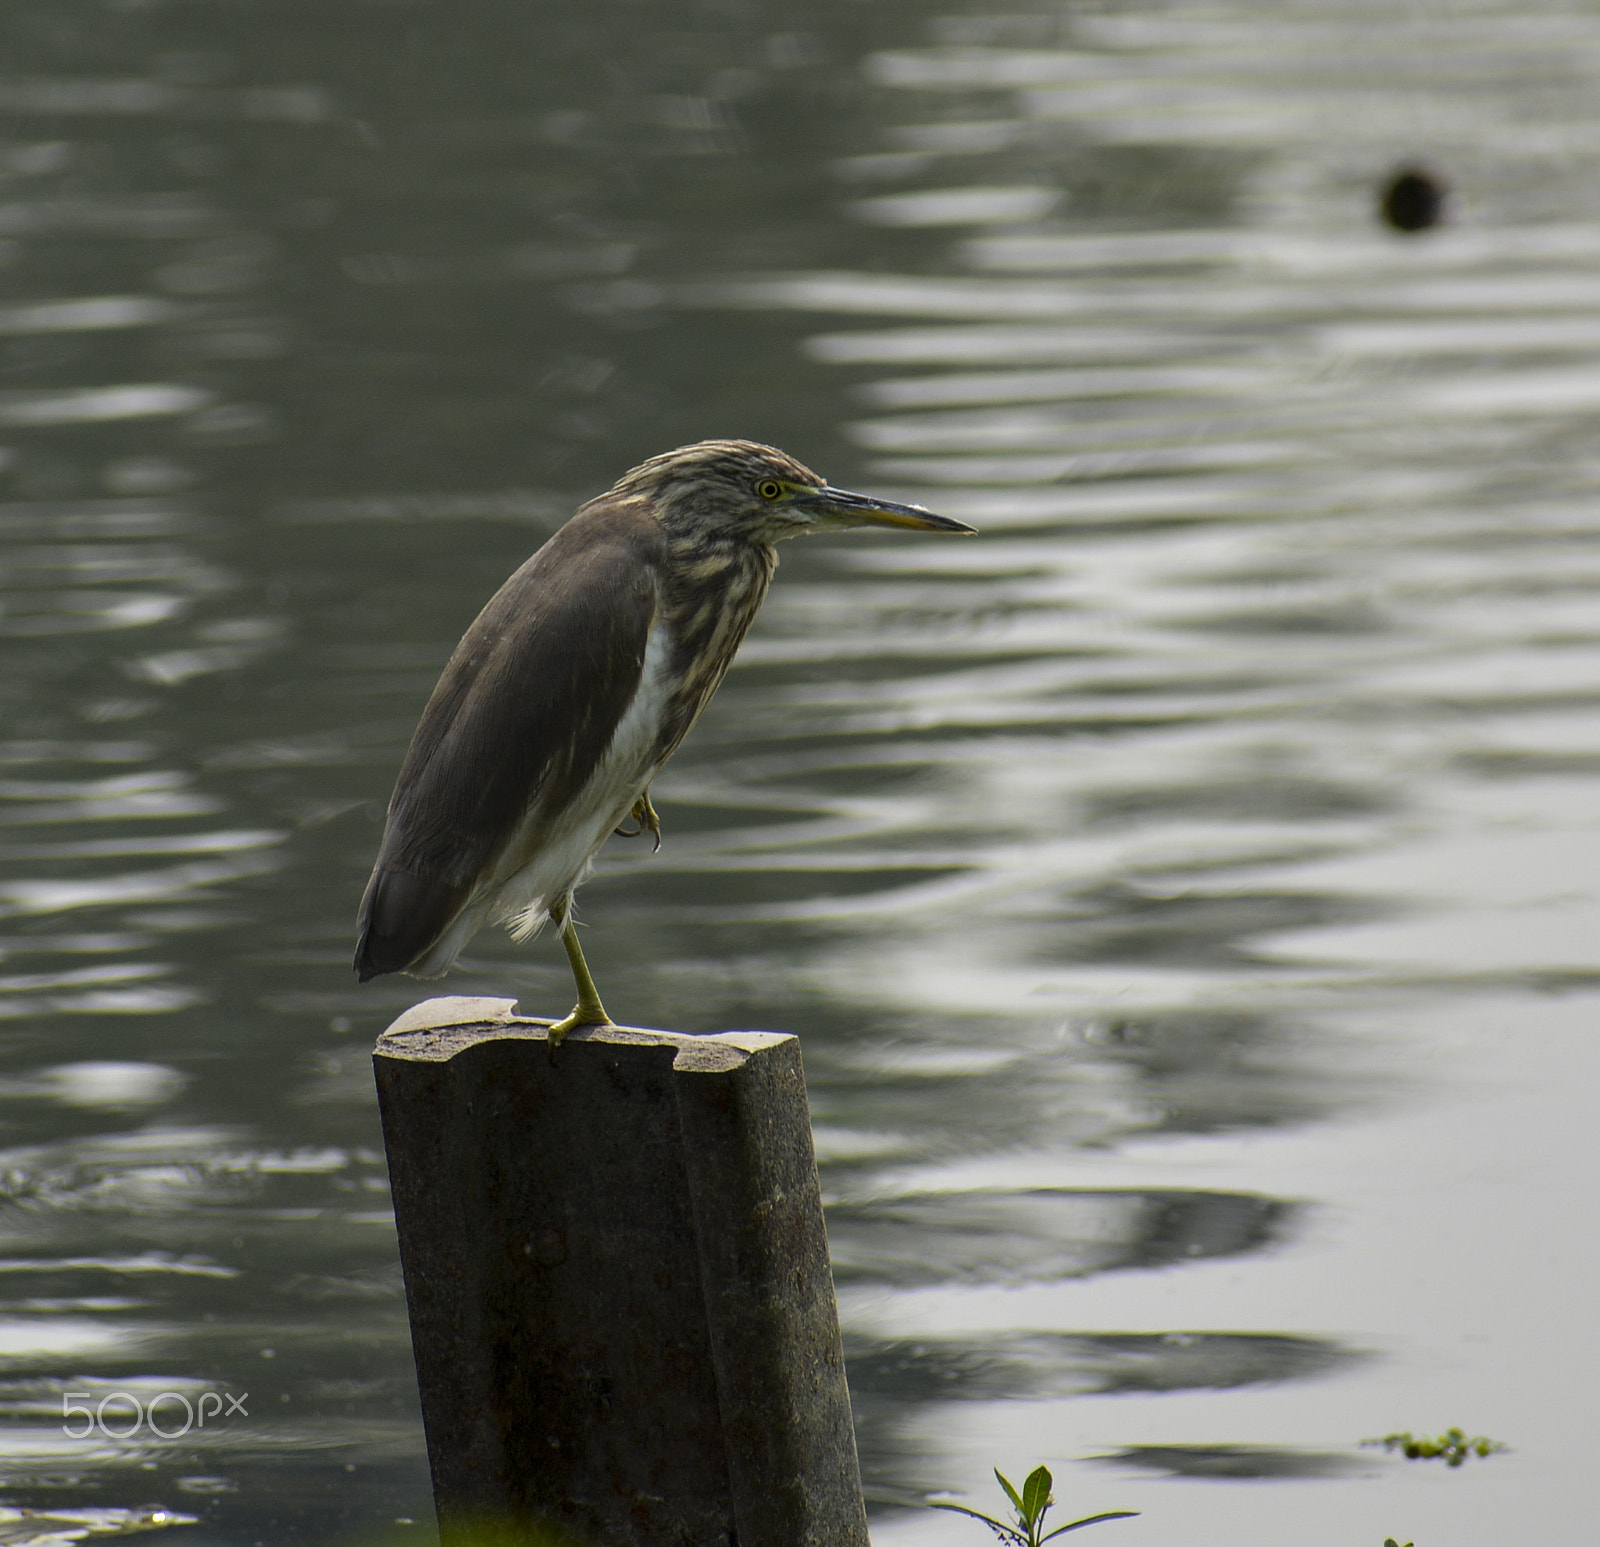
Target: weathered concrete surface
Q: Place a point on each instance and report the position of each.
(621, 1305)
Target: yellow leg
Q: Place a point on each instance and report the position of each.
(588, 1011)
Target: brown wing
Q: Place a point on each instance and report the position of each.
(524, 711)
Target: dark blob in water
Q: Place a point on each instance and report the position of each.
(1413, 199)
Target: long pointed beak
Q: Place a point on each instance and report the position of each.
(839, 507)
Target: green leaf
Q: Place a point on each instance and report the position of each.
(1000, 1529)
(1013, 1495)
(1089, 1520)
(1036, 1496)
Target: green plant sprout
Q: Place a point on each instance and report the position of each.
(1030, 1507)
(1453, 1445)
(1389, 1541)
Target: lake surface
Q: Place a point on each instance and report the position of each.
(1185, 892)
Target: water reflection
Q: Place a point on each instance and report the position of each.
(1250, 1462)
(998, 1237)
(1037, 1365)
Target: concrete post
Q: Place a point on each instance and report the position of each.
(615, 1263)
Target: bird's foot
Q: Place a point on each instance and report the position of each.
(645, 815)
(582, 1015)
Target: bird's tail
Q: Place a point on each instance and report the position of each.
(403, 921)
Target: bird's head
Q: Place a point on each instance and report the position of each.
(738, 490)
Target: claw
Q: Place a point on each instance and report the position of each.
(581, 1016)
(645, 815)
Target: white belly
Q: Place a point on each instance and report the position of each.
(528, 879)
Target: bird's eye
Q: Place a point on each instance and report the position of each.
(769, 488)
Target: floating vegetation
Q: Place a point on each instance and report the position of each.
(1453, 1445)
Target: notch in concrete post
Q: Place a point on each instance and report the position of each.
(617, 1274)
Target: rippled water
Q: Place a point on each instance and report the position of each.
(1185, 891)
